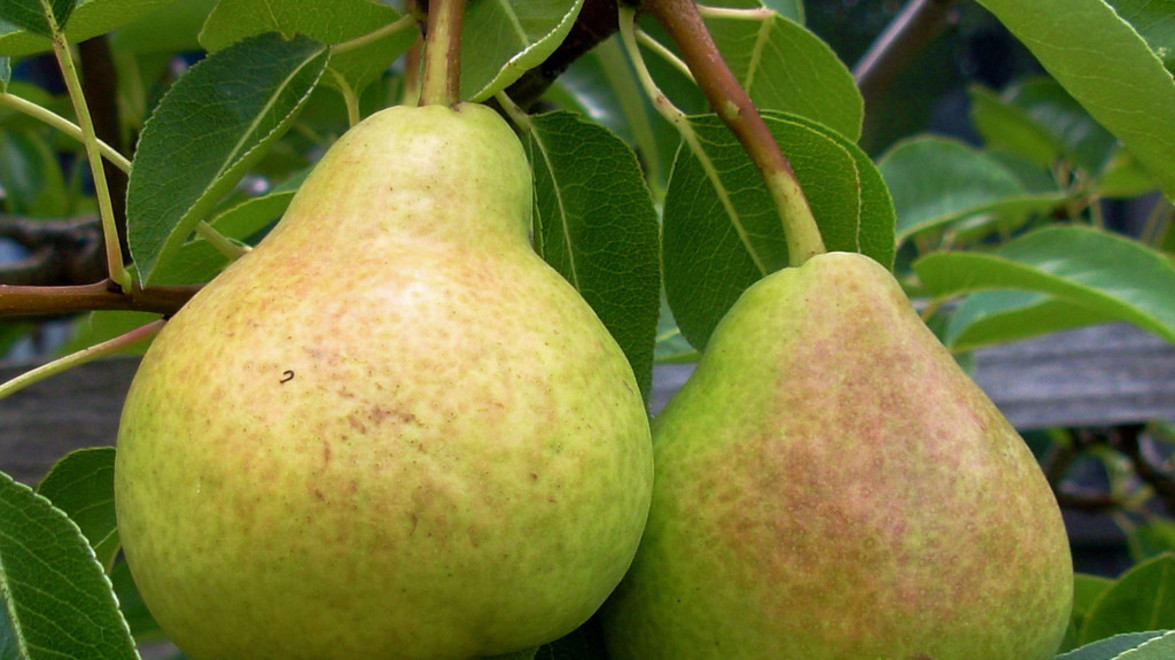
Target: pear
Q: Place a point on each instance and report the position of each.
(390, 430)
(830, 484)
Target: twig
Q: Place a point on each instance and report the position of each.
(32, 301)
(81, 357)
(918, 24)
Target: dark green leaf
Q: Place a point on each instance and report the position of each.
(584, 643)
(165, 31)
(43, 17)
(722, 232)
(89, 19)
(325, 21)
(82, 485)
(784, 66)
(57, 602)
(1116, 647)
(1111, 276)
(5, 74)
(1103, 63)
(595, 223)
(31, 176)
(214, 123)
(143, 626)
(1086, 590)
(1142, 599)
(502, 40)
(935, 181)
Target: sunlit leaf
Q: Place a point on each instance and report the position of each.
(1108, 67)
(1112, 277)
(500, 41)
(211, 126)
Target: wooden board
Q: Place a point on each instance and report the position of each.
(1095, 376)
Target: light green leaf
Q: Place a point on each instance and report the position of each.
(1155, 21)
(595, 223)
(1104, 64)
(721, 230)
(501, 40)
(328, 22)
(1001, 316)
(936, 181)
(211, 126)
(1116, 647)
(82, 486)
(56, 600)
(90, 18)
(1004, 125)
(1160, 648)
(784, 66)
(1143, 598)
(1112, 276)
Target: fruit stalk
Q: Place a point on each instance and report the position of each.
(441, 84)
(684, 23)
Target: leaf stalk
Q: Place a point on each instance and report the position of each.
(682, 20)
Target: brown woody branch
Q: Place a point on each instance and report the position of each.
(32, 301)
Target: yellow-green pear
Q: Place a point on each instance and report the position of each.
(831, 485)
(390, 430)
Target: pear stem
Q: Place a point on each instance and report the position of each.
(441, 84)
(682, 20)
(81, 357)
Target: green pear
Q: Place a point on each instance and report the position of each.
(390, 430)
(831, 485)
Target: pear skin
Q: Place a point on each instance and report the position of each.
(390, 430)
(831, 485)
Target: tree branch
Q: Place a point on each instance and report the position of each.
(34, 301)
(914, 28)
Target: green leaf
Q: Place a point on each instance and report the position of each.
(143, 626)
(56, 601)
(501, 40)
(1154, 20)
(5, 74)
(1070, 128)
(784, 66)
(602, 85)
(1006, 126)
(1150, 538)
(595, 223)
(1161, 648)
(31, 176)
(1116, 647)
(82, 486)
(90, 19)
(43, 17)
(325, 21)
(721, 230)
(1000, 316)
(175, 28)
(1112, 277)
(1143, 598)
(211, 126)
(935, 181)
(1104, 64)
